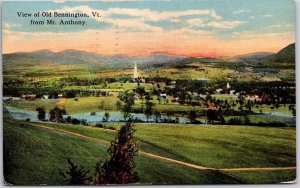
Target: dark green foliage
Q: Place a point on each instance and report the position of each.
(99, 125)
(119, 105)
(192, 116)
(128, 99)
(294, 112)
(119, 168)
(157, 115)
(246, 120)
(149, 107)
(212, 116)
(106, 117)
(56, 114)
(235, 121)
(77, 175)
(70, 94)
(41, 113)
(141, 91)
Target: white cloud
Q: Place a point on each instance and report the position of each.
(241, 11)
(268, 15)
(214, 24)
(214, 15)
(7, 25)
(59, 1)
(140, 16)
(275, 25)
(195, 22)
(223, 24)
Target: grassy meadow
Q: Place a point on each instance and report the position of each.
(210, 146)
(36, 156)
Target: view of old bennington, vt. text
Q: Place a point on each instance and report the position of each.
(149, 92)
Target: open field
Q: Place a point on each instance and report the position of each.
(35, 156)
(211, 146)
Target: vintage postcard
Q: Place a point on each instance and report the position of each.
(149, 92)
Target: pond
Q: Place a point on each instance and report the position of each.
(20, 114)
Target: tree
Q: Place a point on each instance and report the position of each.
(141, 91)
(78, 176)
(106, 117)
(212, 116)
(128, 99)
(41, 114)
(157, 115)
(149, 107)
(119, 169)
(119, 105)
(247, 120)
(101, 106)
(193, 116)
(222, 120)
(56, 114)
(294, 111)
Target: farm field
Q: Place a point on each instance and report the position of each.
(211, 146)
(43, 154)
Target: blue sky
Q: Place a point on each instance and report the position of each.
(221, 19)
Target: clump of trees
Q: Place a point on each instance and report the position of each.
(56, 115)
(128, 99)
(118, 169)
(41, 113)
(149, 107)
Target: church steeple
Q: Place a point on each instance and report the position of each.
(135, 72)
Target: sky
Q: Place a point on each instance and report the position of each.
(209, 28)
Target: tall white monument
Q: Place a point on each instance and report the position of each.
(135, 72)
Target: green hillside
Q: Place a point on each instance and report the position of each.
(287, 54)
(34, 156)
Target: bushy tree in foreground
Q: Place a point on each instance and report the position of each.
(78, 176)
(119, 169)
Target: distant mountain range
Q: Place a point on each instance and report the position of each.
(76, 57)
(80, 57)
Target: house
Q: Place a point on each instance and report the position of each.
(29, 97)
(253, 97)
(163, 95)
(173, 82)
(175, 100)
(151, 82)
(232, 92)
(219, 90)
(212, 106)
(45, 96)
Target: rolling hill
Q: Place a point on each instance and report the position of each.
(253, 56)
(287, 54)
(76, 57)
